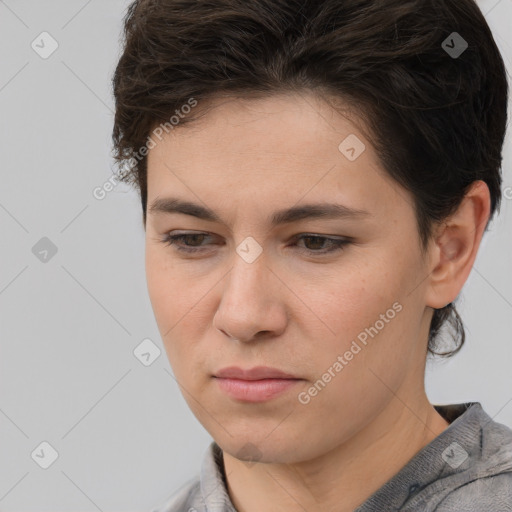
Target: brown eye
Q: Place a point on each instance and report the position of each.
(316, 244)
(185, 242)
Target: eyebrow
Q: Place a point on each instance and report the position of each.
(172, 205)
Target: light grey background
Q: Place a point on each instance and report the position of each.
(124, 435)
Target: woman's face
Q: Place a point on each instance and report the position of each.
(349, 322)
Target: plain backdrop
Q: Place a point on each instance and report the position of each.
(73, 299)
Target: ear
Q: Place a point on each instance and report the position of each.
(455, 246)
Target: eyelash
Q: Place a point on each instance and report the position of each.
(336, 244)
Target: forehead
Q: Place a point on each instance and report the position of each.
(273, 151)
(291, 126)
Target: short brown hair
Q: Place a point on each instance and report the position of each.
(437, 119)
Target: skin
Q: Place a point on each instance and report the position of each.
(295, 310)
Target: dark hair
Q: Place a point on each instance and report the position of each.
(437, 119)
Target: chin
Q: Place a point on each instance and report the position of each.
(257, 448)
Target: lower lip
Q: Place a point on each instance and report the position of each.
(255, 390)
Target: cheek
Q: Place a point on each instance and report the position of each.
(167, 292)
(362, 348)
(361, 312)
(169, 287)
(159, 283)
(178, 303)
(349, 298)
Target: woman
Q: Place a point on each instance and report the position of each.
(316, 178)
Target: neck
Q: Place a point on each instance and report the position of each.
(343, 478)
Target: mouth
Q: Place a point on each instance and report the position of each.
(258, 384)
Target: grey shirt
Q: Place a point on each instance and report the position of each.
(467, 468)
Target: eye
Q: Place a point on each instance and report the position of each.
(183, 237)
(191, 242)
(333, 244)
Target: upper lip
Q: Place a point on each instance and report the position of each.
(256, 373)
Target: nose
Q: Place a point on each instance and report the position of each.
(251, 305)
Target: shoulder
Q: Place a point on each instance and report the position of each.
(185, 499)
(488, 493)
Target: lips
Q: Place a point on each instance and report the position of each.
(257, 384)
(256, 373)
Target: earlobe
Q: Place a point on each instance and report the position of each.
(456, 245)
